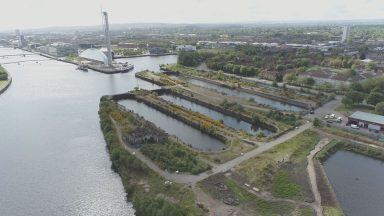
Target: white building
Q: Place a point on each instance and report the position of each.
(187, 48)
(93, 54)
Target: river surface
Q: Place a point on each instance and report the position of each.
(358, 182)
(258, 99)
(227, 120)
(186, 133)
(53, 158)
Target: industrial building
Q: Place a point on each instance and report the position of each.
(367, 120)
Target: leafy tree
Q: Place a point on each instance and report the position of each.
(290, 77)
(374, 98)
(356, 96)
(347, 101)
(274, 83)
(188, 58)
(371, 66)
(316, 122)
(379, 109)
(357, 87)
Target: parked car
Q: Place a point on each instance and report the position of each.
(339, 119)
(332, 116)
(353, 126)
(326, 116)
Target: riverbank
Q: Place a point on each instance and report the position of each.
(5, 80)
(148, 191)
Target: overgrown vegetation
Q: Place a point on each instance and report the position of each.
(173, 157)
(150, 196)
(128, 52)
(3, 73)
(248, 202)
(281, 170)
(370, 90)
(289, 119)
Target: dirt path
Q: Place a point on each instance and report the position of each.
(193, 179)
(215, 207)
(312, 176)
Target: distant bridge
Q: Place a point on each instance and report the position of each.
(22, 55)
(17, 62)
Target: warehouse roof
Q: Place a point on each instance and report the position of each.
(369, 117)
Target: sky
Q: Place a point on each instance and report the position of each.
(23, 14)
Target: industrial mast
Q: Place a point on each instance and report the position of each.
(107, 38)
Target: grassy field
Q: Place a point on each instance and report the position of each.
(330, 211)
(282, 170)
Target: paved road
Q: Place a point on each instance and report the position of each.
(327, 109)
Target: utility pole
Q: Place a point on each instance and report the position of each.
(107, 38)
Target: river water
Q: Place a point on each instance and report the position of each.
(358, 183)
(258, 99)
(53, 158)
(227, 120)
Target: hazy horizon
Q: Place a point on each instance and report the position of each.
(23, 14)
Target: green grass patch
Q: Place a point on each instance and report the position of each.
(240, 193)
(306, 211)
(331, 211)
(283, 187)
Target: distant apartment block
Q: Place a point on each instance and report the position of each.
(346, 33)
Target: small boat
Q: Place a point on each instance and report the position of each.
(82, 67)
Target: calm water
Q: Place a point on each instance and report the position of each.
(358, 182)
(227, 120)
(258, 99)
(53, 158)
(186, 133)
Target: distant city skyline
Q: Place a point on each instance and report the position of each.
(26, 14)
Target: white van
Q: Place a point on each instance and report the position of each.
(354, 126)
